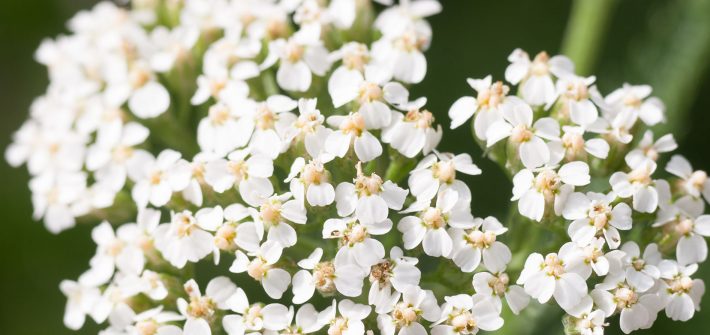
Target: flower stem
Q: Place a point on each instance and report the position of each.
(585, 32)
(399, 167)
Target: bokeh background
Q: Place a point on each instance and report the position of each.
(665, 43)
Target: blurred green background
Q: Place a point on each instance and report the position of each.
(665, 43)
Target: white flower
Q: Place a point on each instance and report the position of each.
(310, 181)
(298, 57)
(306, 321)
(355, 241)
(684, 220)
(234, 233)
(172, 45)
(489, 105)
(46, 148)
(371, 93)
(405, 36)
(352, 131)
(142, 232)
(437, 172)
(587, 321)
(536, 194)
(413, 132)
(305, 281)
(157, 178)
(53, 198)
(249, 173)
(327, 277)
(619, 127)
(638, 310)
(416, 304)
(640, 272)
(496, 286)
(219, 87)
(274, 215)
(308, 127)
(311, 15)
(149, 283)
(573, 146)
(429, 226)
(594, 215)
(262, 268)
(112, 303)
(346, 318)
(80, 302)
(187, 238)
(149, 101)
(223, 129)
(370, 198)
(219, 57)
(200, 309)
(632, 99)
(154, 319)
(550, 276)
(470, 244)
(193, 192)
(256, 317)
(396, 272)
(535, 77)
(113, 153)
(681, 293)
(464, 314)
(648, 149)
(587, 257)
(517, 125)
(576, 97)
(397, 18)
(113, 251)
(695, 183)
(356, 62)
(637, 184)
(270, 121)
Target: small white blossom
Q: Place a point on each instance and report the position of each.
(681, 293)
(551, 276)
(370, 198)
(404, 316)
(188, 238)
(594, 215)
(695, 183)
(345, 317)
(437, 172)
(471, 244)
(156, 179)
(262, 268)
(463, 314)
(535, 77)
(547, 190)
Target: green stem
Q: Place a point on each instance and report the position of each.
(399, 167)
(534, 319)
(585, 32)
(680, 63)
(169, 133)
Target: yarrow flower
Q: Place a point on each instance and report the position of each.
(279, 144)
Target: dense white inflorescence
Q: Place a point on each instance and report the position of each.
(276, 142)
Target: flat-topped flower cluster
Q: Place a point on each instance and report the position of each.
(276, 142)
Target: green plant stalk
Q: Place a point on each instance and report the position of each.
(585, 32)
(678, 72)
(535, 319)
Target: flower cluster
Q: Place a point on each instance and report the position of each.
(277, 141)
(583, 166)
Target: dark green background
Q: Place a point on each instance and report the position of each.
(647, 43)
